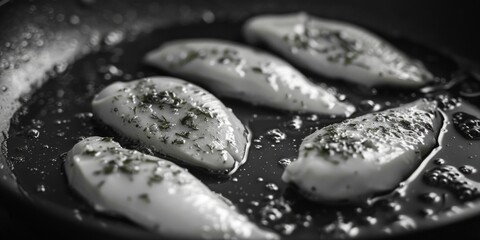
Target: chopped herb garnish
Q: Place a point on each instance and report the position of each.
(107, 139)
(110, 168)
(197, 146)
(155, 179)
(144, 197)
(190, 56)
(202, 111)
(188, 121)
(211, 146)
(164, 139)
(257, 69)
(100, 184)
(89, 150)
(178, 141)
(183, 134)
(164, 123)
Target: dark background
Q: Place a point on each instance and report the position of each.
(452, 26)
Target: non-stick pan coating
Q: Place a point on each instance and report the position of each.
(36, 37)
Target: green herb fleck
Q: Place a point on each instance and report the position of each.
(178, 141)
(107, 139)
(183, 134)
(155, 179)
(144, 197)
(164, 123)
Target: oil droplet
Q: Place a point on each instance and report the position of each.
(114, 38)
(467, 169)
(74, 20)
(33, 133)
(451, 178)
(39, 42)
(274, 211)
(467, 125)
(276, 135)
(286, 228)
(284, 162)
(208, 16)
(312, 118)
(340, 230)
(390, 205)
(272, 186)
(446, 102)
(368, 220)
(41, 188)
(430, 197)
(77, 214)
(369, 105)
(401, 224)
(295, 123)
(439, 161)
(4, 88)
(426, 212)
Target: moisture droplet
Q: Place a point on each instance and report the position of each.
(85, 115)
(276, 135)
(39, 42)
(369, 105)
(77, 214)
(430, 197)
(286, 228)
(114, 38)
(4, 88)
(451, 178)
(467, 169)
(426, 212)
(439, 161)
(74, 19)
(257, 146)
(368, 220)
(272, 186)
(390, 205)
(33, 133)
(295, 123)
(41, 188)
(60, 68)
(468, 125)
(312, 118)
(208, 16)
(274, 211)
(284, 162)
(340, 230)
(402, 223)
(446, 102)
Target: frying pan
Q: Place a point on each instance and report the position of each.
(40, 38)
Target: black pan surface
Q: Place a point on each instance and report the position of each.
(56, 116)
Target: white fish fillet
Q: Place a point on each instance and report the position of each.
(358, 157)
(175, 118)
(154, 193)
(237, 71)
(336, 49)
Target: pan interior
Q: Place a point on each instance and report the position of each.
(58, 115)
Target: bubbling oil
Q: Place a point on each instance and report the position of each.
(59, 114)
